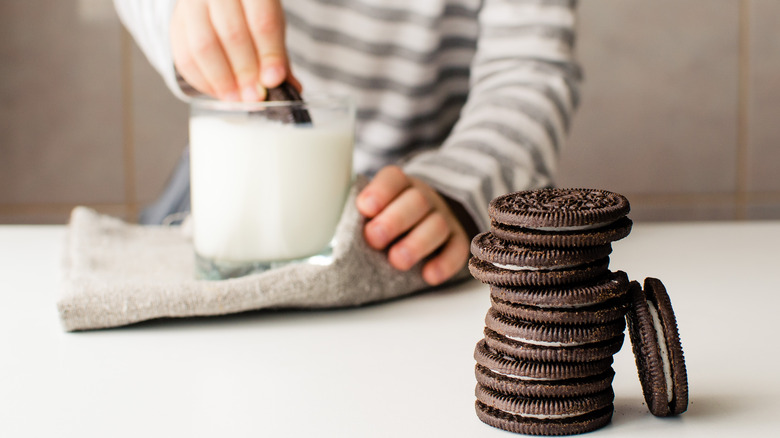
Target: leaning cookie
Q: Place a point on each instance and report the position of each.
(652, 328)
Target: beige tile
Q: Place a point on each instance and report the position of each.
(643, 210)
(159, 129)
(764, 97)
(41, 218)
(764, 211)
(60, 113)
(659, 103)
(53, 214)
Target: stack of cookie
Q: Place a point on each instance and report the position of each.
(557, 312)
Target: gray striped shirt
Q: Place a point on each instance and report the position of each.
(472, 96)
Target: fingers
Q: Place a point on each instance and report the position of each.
(410, 218)
(406, 210)
(183, 57)
(207, 52)
(386, 185)
(449, 261)
(236, 41)
(265, 19)
(230, 49)
(422, 240)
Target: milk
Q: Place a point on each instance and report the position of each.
(263, 191)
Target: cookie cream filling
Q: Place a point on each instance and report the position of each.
(545, 416)
(548, 416)
(545, 343)
(664, 350)
(533, 268)
(515, 376)
(573, 227)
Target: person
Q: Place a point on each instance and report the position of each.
(458, 101)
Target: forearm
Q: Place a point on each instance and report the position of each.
(148, 21)
(523, 92)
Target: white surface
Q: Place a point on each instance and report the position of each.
(399, 369)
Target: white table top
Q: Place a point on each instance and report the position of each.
(398, 369)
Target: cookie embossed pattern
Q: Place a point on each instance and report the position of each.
(558, 316)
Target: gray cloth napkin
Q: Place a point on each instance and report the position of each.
(117, 273)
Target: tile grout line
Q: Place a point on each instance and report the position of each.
(128, 150)
(55, 207)
(743, 101)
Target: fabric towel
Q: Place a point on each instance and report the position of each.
(117, 273)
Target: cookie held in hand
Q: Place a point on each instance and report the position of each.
(293, 111)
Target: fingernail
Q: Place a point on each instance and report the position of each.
(368, 205)
(231, 97)
(433, 277)
(249, 94)
(403, 256)
(261, 92)
(272, 76)
(379, 236)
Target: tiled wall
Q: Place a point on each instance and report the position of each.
(681, 107)
(680, 110)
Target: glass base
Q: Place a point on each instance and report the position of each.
(209, 269)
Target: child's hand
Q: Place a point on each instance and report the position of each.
(410, 215)
(230, 49)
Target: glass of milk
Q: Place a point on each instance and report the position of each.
(266, 193)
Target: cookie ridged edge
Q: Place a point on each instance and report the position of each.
(579, 353)
(544, 388)
(558, 216)
(532, 426)
(612, 232)
(600, 313)
(553, 333)
(487, 247)
(598, 290)
(506, 364)
(490, 274)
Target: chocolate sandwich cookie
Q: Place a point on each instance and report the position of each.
(544, 407)
(295, 113)
(546, 353)
(607, 287)
(544, 416)
(655, 340)
(489, 273)
(559, 210)
(553, 335)
(514, 257)
(529, 369)
(561, 239)
(611, 310)
(514, 385)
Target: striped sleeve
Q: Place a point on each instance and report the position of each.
(148, 21)
(523, 91)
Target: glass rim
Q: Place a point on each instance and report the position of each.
(327, 100)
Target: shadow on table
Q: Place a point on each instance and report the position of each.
(709, 406)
